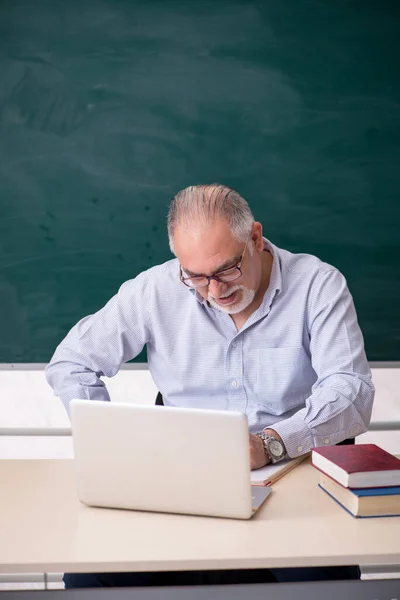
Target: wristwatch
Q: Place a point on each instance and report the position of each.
(274, 448)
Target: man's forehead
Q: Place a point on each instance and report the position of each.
(213, 235)
(208, 263)
(207, 248)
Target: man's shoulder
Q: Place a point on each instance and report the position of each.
(167, 271)
(302, 263)
(160, 276)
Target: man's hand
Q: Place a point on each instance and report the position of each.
(258, 458)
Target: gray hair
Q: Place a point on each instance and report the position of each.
(202, 204)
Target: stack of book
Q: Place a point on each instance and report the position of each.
(364, 479)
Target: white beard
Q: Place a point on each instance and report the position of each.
(233, 309)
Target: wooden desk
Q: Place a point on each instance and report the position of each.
(43, 527)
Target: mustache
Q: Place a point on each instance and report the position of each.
(231, 291)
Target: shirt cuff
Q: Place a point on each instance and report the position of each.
(296, 435)
(83, 393)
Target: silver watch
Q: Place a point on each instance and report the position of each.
(274, 448)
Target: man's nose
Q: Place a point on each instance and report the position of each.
(216, 288)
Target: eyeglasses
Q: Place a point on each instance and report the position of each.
(225, 276)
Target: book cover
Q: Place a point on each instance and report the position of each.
(369, 491)
(378, 491)
(360, 465)
(350, 502)
(270, 473)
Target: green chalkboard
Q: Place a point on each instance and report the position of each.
(108, 108)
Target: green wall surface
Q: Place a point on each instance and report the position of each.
(108, 108)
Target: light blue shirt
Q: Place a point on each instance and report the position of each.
(297, 365)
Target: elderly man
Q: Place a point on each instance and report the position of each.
(233, 323)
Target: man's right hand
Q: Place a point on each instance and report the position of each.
(258, 457)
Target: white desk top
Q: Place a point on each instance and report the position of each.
(43, 527)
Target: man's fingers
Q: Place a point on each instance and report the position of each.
(257, 454)
(253, 456)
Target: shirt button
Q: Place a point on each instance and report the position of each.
(234, 383)
(326, 441)
(234, 344)
(299, 449)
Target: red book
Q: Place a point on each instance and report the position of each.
(358, 466)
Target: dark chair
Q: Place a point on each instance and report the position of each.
(348, 442)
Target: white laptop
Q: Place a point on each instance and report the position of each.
(159, 458)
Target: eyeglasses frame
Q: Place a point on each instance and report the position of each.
(238, 266)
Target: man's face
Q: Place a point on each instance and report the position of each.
(212, 249)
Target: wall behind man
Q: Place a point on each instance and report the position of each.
(109, 107)
(28, 401)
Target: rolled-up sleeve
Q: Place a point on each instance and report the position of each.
(99, 344)
(340, 404)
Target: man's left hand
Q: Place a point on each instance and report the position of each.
(258, 457)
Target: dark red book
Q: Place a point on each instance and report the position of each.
(358, 466)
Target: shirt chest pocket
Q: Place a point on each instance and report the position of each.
(283, 379)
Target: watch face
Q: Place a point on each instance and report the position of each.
(276, 448)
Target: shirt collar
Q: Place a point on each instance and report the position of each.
(275, 282)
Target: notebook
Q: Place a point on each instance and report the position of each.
(270, 473)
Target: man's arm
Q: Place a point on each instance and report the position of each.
(340, 404)
(99, 344)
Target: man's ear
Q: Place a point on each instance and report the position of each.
(256, 237)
